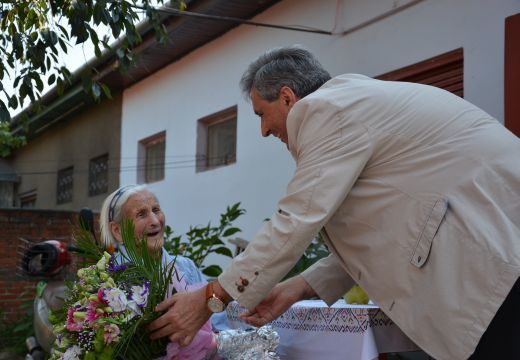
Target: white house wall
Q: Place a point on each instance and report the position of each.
(206, 81)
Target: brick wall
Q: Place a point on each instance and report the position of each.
(35, 226)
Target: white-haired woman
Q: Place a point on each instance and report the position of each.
(141, 206)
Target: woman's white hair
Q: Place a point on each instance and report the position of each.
(111, 211)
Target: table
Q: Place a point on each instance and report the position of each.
(312, 330)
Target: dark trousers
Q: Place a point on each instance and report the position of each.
(501, 340)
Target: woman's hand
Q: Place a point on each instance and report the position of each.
(186, 314)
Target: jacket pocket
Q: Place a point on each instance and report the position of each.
(422, 248)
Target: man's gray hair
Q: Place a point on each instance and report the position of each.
(292, 66)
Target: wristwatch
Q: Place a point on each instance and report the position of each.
(214, 303)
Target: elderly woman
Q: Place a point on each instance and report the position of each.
(137, 203)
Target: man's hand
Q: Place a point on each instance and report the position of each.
(278, 301)
(186, 314)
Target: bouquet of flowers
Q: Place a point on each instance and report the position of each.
(108, 307)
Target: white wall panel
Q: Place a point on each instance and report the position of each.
(206, 81)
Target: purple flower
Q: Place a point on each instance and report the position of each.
(113, 267)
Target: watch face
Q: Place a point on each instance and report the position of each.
(215, 305)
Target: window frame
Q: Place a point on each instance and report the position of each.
(26, 197)
(143, 176)
(203, 132)
(445, 71)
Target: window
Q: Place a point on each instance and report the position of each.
(28, 199)
(98, 175)
(445, 71)
(216, 139)
(151, 154)
(64, 185)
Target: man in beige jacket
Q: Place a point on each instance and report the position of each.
(417, 194)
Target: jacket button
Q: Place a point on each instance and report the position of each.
(240, 288)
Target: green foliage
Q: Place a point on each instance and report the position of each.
(314, 252)
(91, 251)
(14, 333)
(7, 141)
(203, 240)
(32, 33)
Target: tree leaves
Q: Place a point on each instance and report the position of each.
(7, 140)
(32, 30)
(212, 271)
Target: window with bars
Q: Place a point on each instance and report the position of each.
(216, 139)
(98, 175)
(445, 71)
(151, 155)
(65, 185)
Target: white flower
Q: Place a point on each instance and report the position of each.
(140, 295)
(116, 299)
(72, 353)
(134, 310)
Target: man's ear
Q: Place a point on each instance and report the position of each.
(287, 96)
(116, 231)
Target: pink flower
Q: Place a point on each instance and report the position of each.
(92, 314)
(100, 294)
(111, 333)
(74, 323)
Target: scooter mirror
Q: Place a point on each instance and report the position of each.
(46, 258)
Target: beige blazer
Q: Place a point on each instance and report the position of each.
(418, 195)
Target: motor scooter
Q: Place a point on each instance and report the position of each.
(47, 260)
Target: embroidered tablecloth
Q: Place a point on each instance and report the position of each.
(311, 330)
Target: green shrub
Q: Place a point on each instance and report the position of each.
(314, 252)
(14, 333)
(204, 240)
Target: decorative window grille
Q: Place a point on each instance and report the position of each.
(65, 185)
(98, 175)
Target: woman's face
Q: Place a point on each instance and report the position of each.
(145, 212)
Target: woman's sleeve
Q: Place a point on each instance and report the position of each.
(192, 274)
